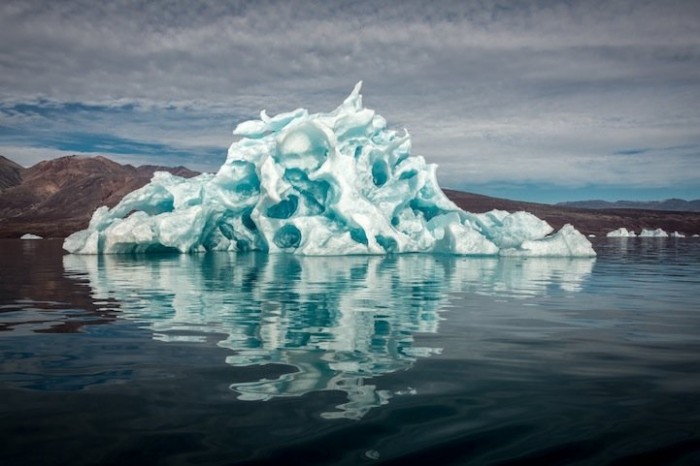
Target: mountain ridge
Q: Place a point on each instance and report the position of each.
(58, 196)
(671, 205)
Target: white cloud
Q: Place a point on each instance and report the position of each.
(507, 91)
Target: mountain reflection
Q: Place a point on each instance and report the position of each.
(337, 321)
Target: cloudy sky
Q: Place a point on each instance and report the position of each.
(534, 100)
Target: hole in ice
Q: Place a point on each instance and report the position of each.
(426, 208)
(288, 236)
(226, 230)
(248, 221)
(400, 159)
(313, 207)
(305, 146)
(160, 249)
(380, 173)
(408, 175)
(248, 185)
(314, 193)
(389, 244)
(359, 235)
(240, 176)
(285, 208)
(295, 175)
(158, 205)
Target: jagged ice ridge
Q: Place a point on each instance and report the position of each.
(333, 183)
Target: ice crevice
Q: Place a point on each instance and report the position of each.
(336, 183)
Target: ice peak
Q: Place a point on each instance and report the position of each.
(354, 100)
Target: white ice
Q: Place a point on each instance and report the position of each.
(646, 233)
(658, 233)
(338, 183)
(621, 233)
(30, 236)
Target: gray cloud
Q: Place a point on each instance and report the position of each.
(493, 91)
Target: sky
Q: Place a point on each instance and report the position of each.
(543, 101)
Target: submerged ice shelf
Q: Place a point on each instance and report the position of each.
(337, 183)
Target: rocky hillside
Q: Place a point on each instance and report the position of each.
(10, 173)
(56, 197)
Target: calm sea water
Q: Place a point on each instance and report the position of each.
(256, 359)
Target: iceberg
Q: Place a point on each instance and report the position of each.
(677, 234)
(658, 233)
(337, 183)
(621, 233)
(30, 236)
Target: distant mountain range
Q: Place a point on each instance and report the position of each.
(56, 197)
(671, 205)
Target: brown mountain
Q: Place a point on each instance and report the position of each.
(57, 197)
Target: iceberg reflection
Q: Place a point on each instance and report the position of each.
(337, 321)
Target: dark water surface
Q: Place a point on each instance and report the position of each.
(225, 359)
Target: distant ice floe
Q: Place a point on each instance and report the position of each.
(30, 236)
(646, 233)
(658, 233)
(338, 183)
(621, 233)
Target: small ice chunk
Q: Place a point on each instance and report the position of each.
(658, 233)
(621, 233)
(30, 236)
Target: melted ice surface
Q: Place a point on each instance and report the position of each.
(337, 183)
